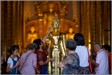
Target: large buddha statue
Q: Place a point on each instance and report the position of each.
(57, 45)
(48, 17)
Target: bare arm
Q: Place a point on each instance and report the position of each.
(48, 49)
(65, 61)
(47, 34)
(9, 69)
(94, 63)
(60, 65)
(43, 63)
(48, 60)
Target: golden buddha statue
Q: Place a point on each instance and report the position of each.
(48, 17)
(32, 35)
(70, 34)
(55, 46)
(58, 46)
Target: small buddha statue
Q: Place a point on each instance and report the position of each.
(32, 34)
(70, 33)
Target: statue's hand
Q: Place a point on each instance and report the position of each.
(51, 59)
(50, 28)
(60, 65)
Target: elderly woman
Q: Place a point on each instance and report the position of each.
(28, 60)
(70, 63)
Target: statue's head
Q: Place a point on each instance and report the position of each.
(51, 6)
(70, 30)
(55, 22)
(32, 29)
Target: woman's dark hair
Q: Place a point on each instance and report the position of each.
(32, 46)
(38, 43)
(71, 44)
(107, 47)
(79, 38)
(13, 48)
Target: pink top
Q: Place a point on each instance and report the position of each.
(31, 62)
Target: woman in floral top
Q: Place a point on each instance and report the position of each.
(70, 63)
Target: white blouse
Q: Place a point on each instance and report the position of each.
(83, 55)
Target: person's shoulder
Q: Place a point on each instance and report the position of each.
(78, 48)
(34, 54)
(70, 56)
(16, 58)
(9, 60)
(102, 53)
(36, 51)
(23, 55)
(81, 46)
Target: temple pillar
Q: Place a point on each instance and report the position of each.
(11, 25)
(95, 22)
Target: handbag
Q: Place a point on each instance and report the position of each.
(89, 60)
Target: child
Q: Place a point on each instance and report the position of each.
(12, 60)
